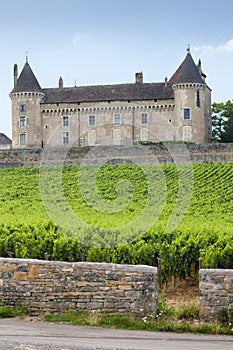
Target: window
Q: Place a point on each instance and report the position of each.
(198, 102)
(144, 135)
(91, 137)
(22, 108)
(187, 114)
(117, 119)
(144, 118)
(91, 120)
(65, 121)
(22, 139)
(22, 121)
(187, 133)
(65, 135)
(117, 137)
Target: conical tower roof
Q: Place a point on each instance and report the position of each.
(27, 81)
(187, 72)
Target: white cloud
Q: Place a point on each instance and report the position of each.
(210, 49)
(228, 46)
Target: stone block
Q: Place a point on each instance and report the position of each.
(20, 276)
(32, 272)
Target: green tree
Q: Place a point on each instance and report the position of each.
(222, 121)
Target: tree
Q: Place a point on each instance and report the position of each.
(222, 121)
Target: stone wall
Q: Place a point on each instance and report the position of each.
(49, 286)
(172, 153)
(216, 292)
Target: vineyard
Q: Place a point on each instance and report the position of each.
(120, 213)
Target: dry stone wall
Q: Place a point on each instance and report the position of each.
(216, 292)
(49, 286)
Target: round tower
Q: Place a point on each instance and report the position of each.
(192, 102)
(26, 97)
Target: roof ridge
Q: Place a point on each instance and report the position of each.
(103, 85)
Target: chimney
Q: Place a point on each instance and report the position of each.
(200, 70)
(139, 77)
(60, 84)
(15, 74)
(199, 66)
(165, 81)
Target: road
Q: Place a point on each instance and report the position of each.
(23, 335)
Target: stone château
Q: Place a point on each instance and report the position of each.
(178, 109)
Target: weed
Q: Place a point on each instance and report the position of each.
(146, 323)
(226, 317)
(20, 310)
(6, 312)
(188, 312)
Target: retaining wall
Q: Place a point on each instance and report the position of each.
(216, 292)
(48, 286)
(170, 153)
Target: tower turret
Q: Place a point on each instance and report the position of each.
(26, 118)
(192, 101)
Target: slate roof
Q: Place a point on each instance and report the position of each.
(117, 92)
(27, 81)
(187, 72)
(4, 140)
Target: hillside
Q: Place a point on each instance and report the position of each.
(120, 213)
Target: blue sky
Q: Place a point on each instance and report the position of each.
(107, 41)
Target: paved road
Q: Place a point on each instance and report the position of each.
(22, 335)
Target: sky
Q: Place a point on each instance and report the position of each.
(91, 42)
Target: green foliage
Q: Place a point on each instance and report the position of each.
(16, 311)
(222, 119)
(205, 230)
(149, 323)
(188, 312)
(226, 317)
(6, 312)
(164, 310)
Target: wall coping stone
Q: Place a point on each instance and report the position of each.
(83, 265)
(217, 272)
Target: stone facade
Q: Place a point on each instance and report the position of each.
(176, 109)
(49, 286)
(216, 292)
